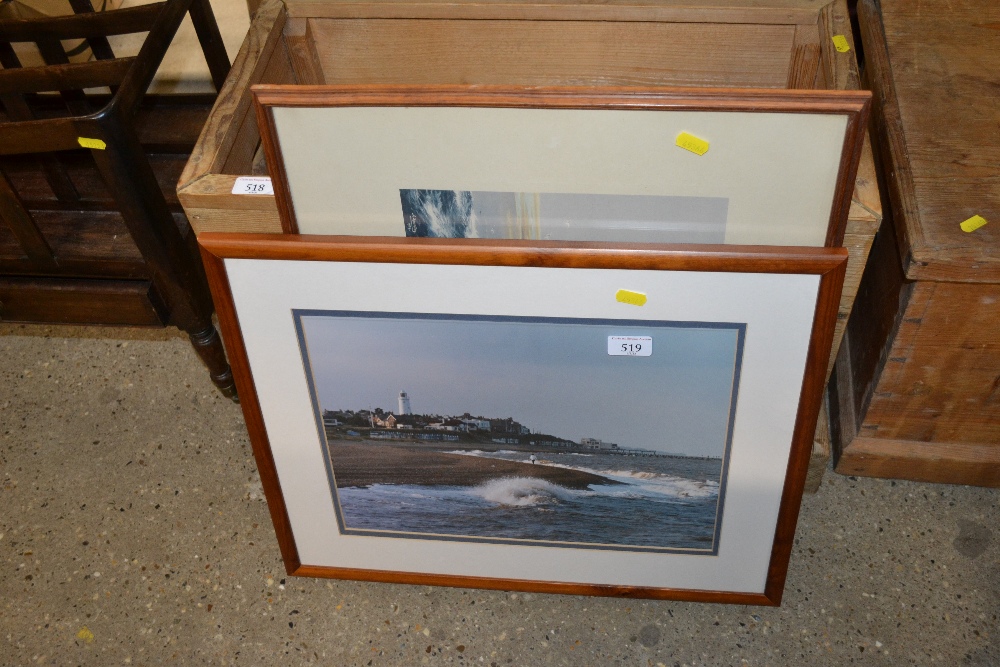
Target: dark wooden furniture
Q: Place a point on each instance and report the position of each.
(93, 238)
(917, 391)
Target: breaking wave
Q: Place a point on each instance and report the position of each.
(522, 492)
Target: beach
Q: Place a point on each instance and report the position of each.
(362, 465)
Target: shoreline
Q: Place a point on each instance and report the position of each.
(361, 465)
(334, 437)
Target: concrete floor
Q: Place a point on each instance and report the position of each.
(133, 531)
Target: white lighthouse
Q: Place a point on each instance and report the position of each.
(404, 404)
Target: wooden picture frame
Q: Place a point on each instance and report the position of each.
(565, 163)
(278, 297)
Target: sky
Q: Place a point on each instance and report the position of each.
(553, 377)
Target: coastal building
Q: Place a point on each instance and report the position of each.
(404, 404)
(596, 443)
(508, 425)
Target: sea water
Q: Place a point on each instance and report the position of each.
(668, 503)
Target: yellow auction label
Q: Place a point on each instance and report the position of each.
(689, 142)
(92, 143)
(840, 43)
(630, 297)
(973, 223)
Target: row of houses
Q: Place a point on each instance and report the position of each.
(381, 419)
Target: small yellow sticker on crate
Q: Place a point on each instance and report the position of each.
(840, 43)
(87, 142)
(689, 142)
(973, 223)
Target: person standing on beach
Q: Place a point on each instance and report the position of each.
(532, 459)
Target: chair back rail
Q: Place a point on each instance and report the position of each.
(82, 26)
(72, 76)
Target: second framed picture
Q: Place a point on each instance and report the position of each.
(707, 166)
(559, 417)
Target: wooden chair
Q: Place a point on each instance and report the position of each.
(167, 284)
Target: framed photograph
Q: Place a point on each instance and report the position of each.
(667, 165)
(576, 418)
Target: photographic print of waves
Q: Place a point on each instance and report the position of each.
(648, 503)
(564, 216)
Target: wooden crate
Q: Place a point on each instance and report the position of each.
(917, 391)
(719, 43)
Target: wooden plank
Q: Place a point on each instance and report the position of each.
(941, 380)
(247, 139)
(74, 76)
(232, 218)
(939, 123)
(211, 207)
(865, 214)
(841, 68)
(42, 136)
(937, 462)
(390, 51)
(302, 52)
(220, 133)
(779, 12)
(58, 301)
(805, 57)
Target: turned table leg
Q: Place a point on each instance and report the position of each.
(208, 345)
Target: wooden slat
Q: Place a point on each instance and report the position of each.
(937, 462)
(220, 132)
(301, 47)
(30, 238)
(841, 68)
(74, 76)
(78, 26)
(784, 12)
(39, 136)
(17, 109)
(386, 51)
(108, 302)
(53, 53)
(247, 140)
(805, 57)
(866, 204)
(211, 207)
